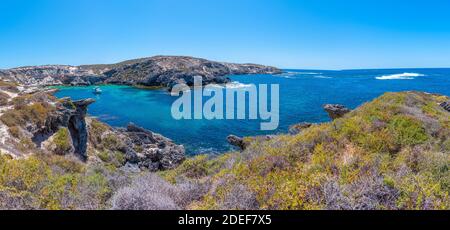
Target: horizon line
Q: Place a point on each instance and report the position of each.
(212, 59)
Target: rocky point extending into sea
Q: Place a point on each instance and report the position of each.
(158, 71)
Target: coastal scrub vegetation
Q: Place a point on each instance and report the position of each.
(391, 153)
(8, 86)
(35, 113)
(23, 116)
(46, 181)
(62, 141)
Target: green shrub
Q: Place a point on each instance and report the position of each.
(119, 158)
(97, 182)
(138, 148)
(26, 145)
(111, 142)
(3, 99)
(421, 191)
(62, 141)
(430, 109)
(407, 131)
(197, 167)
(446, 145)
(36, 113)
(59, 193)
(11, 118)
(24, 175)
(66, 164)
(67, 103)
(15, 131)
(8, 86)
(96, 130)
(19, 102)
(104, 156)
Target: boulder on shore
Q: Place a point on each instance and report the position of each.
(336, 111)
(237, 141)
(446, 105)
(297, 128)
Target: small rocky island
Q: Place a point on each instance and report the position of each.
(158, 71)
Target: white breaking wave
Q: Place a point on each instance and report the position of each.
(295, 75)
(323, 77)
(232, 85)
(307, 73)
(203, 150)
(400, 76)
(285, 76)
(236, 85)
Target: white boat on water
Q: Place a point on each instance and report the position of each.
(97, 90)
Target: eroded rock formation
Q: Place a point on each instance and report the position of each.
(71, 115)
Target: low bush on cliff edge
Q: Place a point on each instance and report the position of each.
(36, 113)
(8, 86)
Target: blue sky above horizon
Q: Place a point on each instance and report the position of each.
(303, 34)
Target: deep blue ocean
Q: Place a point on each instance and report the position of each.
(302, 95)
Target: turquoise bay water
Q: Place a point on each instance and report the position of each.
(302, 94)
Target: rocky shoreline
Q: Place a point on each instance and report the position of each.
(33, 121)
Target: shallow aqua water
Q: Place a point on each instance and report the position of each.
(302, 94)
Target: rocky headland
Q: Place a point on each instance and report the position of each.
(158, 71)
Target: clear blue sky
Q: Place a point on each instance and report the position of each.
(311, 34)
